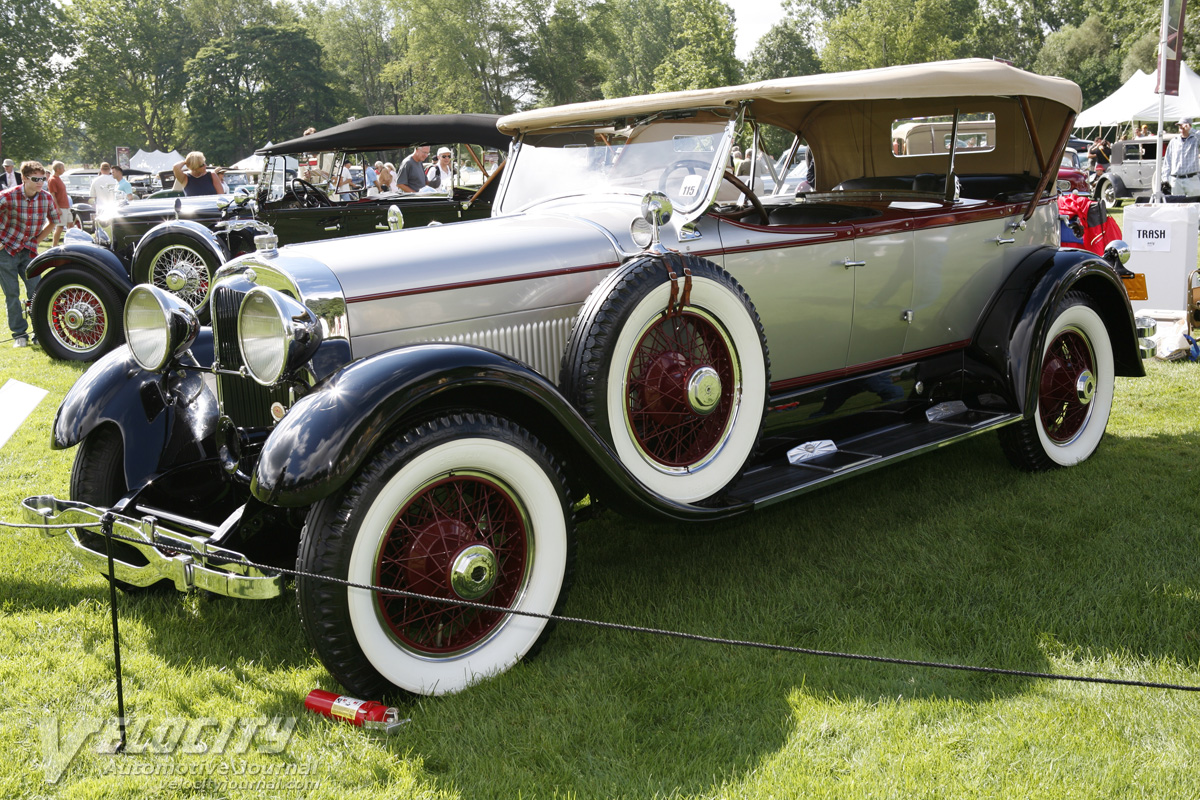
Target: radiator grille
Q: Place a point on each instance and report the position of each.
(538, 344)
(243, 400)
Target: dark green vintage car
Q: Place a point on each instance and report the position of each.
(179, 243)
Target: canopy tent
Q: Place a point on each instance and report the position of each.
(155, 161)
(256, 163)
(1136, 101)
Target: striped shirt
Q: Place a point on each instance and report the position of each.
(23, 217)
(1182, 156)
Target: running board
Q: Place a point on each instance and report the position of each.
(778, 480)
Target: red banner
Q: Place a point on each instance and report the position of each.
(1169, 62)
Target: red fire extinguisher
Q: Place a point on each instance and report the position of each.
(363, 713)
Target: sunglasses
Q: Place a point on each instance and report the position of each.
(37, 179)
(444, 155)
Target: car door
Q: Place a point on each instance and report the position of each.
(883, 266)
(803, 290)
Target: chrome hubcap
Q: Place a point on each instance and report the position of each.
(79, 317)
(704, 390)
(473, 573)
(179, 279)
(1085, 387)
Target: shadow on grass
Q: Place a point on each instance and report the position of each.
(952, 557)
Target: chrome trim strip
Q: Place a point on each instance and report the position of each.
(191, 570)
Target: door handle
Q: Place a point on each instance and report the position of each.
(999, 241)
(335, 226)
(381, 226)
(848, 263)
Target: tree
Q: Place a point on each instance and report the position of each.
(265, 84)
(633, 38)
(881, 33)
(217, 19)
(553, 48)
(1087, 54)
(703, 41)
(456, 57)
(31, 58)
(126, 82)
(783, 51)
(358, 37)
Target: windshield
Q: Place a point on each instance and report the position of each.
(674, 155)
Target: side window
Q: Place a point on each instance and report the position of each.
(923, 136)
(1133, 152)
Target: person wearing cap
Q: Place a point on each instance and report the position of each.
(24, 211)
(410, 175)
(1181, 161)
(441, 174)
(9, 178)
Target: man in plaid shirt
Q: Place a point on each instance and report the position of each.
(24, 211)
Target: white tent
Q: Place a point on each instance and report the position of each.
(253, 163)
(155, 161)
(1136, 100)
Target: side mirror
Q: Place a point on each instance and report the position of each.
(178, 207)
(656, 210)
(395, 218)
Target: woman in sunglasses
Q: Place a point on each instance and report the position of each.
(24, 211)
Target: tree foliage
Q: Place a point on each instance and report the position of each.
(227, 75)
(265, 84)
(37, 36)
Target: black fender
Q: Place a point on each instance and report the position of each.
(165, 419)
(1119, 188)
(203, 236)
(93, 258)
(1006, 351)
(327, 435)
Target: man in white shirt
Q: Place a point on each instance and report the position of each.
(103, 191)
(1182, 161)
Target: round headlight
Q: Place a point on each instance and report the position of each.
(276, 334)
(158, 326)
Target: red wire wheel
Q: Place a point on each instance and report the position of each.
(1067, 387)
(76, 316)
(465, 537)
(681, 379)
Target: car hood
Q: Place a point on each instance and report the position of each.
(442, 257)
(195, 208)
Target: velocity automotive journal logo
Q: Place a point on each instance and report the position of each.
(63, 740)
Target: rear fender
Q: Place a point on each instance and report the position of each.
(1008, 344)
(165, 419)
(94, 258)
(327, 435)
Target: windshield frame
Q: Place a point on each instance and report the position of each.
(684, 212)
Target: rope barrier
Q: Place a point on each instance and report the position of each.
(616, 626)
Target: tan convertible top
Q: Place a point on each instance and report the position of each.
(787, 102)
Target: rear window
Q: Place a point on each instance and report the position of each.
(923, 136)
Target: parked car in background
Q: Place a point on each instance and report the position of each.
(77, 309)
(423, 410)
(1131, 173)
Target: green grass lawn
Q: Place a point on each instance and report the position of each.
(954, 556)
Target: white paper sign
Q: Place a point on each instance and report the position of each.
(17, 401)
(1148, 236)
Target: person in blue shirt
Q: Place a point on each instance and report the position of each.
(124, 190)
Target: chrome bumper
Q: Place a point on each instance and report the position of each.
(200, 566)
(1146, 328)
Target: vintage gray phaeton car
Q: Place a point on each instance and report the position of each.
(425, 411)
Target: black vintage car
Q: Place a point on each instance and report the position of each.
(78, 306)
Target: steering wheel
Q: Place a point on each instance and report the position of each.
(309, 195)
(756, 204)
(690, 164)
